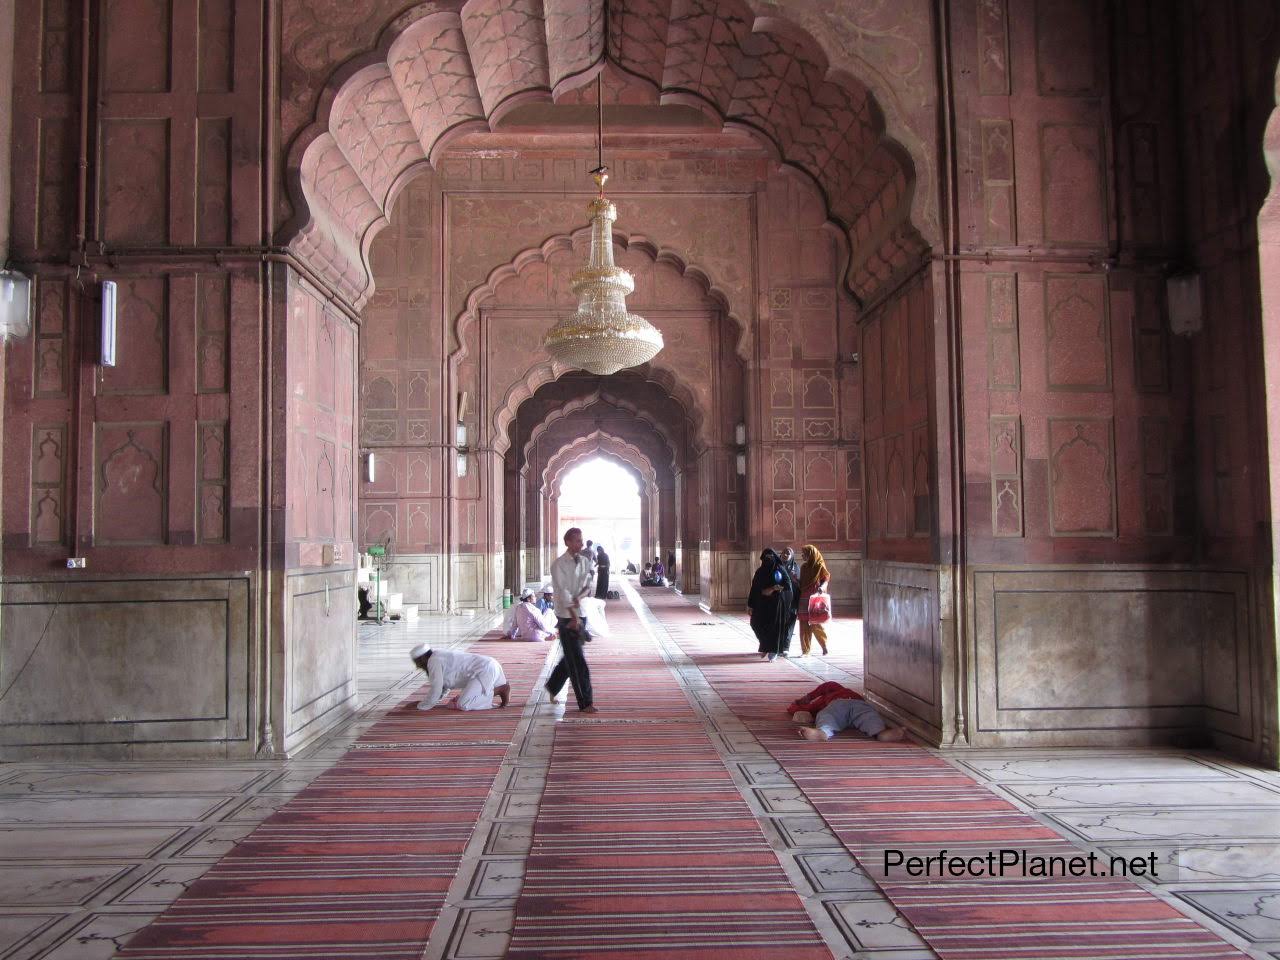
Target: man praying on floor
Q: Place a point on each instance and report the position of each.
(477, 678)
(845, 712)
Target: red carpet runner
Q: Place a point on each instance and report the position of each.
(643, 847)
(878, 796)
(358, 863)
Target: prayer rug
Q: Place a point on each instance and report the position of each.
(358, 863)
(898, 796)
(643, 847)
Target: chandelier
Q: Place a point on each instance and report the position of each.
(601, 337)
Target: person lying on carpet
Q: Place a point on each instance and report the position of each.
(477, 678)
(842, 713)
(529, 623)
(816, 699)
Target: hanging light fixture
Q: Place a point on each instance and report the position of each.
(601, 337)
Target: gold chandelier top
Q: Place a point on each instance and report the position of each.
(601, 337)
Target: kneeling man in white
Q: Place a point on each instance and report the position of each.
(478, 679)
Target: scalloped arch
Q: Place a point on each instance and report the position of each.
(441, 69)
(599, 443)
(565, 242)
(585, 402)
(547, 371)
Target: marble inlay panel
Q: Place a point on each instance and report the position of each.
(162, 886)
(1145, 794)
(99, 936)
(1173, 824)
(170, 780)
(18, 927)
(1103, 768)
(482, 934)
(1209, 862)
(875, 924)
(82, 843)
(1254, 914)
(51, 885)
(835, 872)
(108, 809)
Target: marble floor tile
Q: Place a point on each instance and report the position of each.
(97, 937)
(482, 934)
(145, 809)
(134, 780)
(1223, 862)
(1254, 913)
(497, 880)
(162, 885)
(1156, 824)
(1150, 793)
(55, 885)
(17, 929)
(874, 925)
(1101, 767)
(835, 873)
(84, 842)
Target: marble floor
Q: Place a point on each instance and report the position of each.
(90, 852)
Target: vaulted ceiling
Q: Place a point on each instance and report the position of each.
(490, 67)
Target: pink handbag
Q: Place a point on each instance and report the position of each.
(819, 608)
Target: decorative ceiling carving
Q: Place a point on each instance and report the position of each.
(449, 71)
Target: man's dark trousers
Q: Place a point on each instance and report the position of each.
(573, 664)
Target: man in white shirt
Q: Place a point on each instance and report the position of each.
(477, 678)
(571, 581)
(529, 623)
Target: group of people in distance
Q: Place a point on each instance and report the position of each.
(779, 598)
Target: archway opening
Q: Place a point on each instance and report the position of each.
(603, 499)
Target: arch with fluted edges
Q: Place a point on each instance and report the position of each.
(604, 444)
(439, 71)
(566, 242)
(546, 371)
(586, 402)
(658, 469)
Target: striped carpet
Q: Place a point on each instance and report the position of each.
(358, 863)
(643, 847)
(884, 796)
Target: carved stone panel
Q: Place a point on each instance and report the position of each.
(130, 470)
(784, 470)
(993, 48)
(134, 183)
(142, 332)
(52, 327)
(1157, 477)
(999, 204)
(1066, 61)
(212, 479)
(784, 521)
(212, 339)
(48, 484)
(1082, 497)
(1077, 332)
(1004, 369)
(1074, 193)
(1006, 477)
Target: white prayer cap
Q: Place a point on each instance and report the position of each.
(526, 594)
(418, 651)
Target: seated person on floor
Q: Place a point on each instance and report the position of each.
(654, 574)
(529, 622)
(547, 605)
(477, 678)
(841, 712)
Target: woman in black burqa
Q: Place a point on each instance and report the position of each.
(771, 602)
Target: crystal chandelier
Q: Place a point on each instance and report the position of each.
(601, 337)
